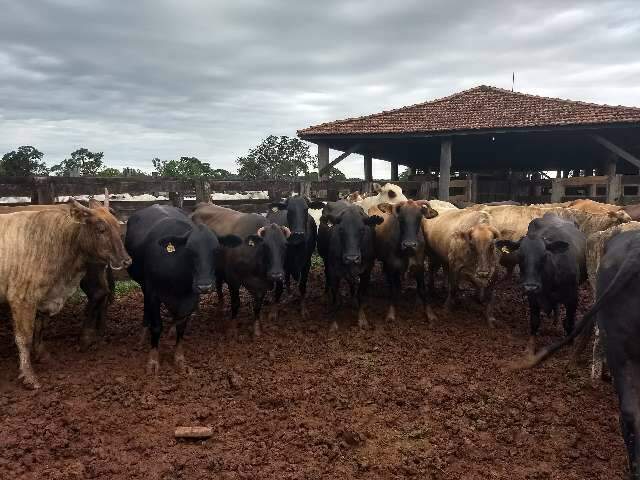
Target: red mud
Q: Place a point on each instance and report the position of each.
(400, 401)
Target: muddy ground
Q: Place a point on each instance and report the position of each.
(400, 401)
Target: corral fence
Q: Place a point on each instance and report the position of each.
(185, 193)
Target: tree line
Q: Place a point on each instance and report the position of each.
(274, 158)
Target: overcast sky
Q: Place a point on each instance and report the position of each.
(146, 78)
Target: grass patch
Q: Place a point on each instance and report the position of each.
(123, 287)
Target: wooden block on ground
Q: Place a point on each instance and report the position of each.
(193, 432)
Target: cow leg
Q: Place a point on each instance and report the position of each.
(302, 287)
(258, 299)
(570, 316)
(333, 282)
(394, 281)
(178, 356)
(628, 389)
(363, 287)
(234, 290)
(23, 328)
(534, 323)
(422, 293)
(152, 314)
(452, 290)
(40, 353)
(488, 309)
(219, 285)
(274, 309)
(599, 368)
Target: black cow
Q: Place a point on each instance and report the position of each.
(616, 312)
(345, 243)
(294, 214)
(173, 261)
(400, 246)
(257, 264)
(552, 265)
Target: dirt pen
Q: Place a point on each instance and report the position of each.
(398, 401)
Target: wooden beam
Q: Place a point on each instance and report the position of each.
(368, 168)
(339, 158)
(323, 161)
(612, 147)
(445, 168)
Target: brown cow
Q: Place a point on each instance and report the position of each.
(464, 242)
(44, 257)
(633, 211)
(98, 285)
(400, 245)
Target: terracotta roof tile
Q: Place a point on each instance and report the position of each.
(480, 108)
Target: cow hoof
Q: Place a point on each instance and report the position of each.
(333, 327)
(431, 316)
(257, 332)
(144, 336)
(153, 367)
(30, 381)
(42, 356)
(87, 339)
(273, 316)
(182, 366)
(492, 322)
(304, 313)
(390, 318)
(362, 321)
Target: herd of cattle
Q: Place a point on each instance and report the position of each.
(48, 251)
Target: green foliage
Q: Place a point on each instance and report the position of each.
(187, 167)
(404, 176)
(110, 172)
(276, 158)
(133, 172)
(334, 174)
(85, 162)
(123, 287)
(24, 162)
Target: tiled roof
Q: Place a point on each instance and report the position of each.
(480, 108)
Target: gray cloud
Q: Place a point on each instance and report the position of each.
(211, 79)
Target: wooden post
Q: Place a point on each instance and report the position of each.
(323, 160)
(614, 182)
(43, 192)
(557, 190)
(593, 190)
(423, 191)
(411, 172)
(304, 189)
(445, 168)
(203, 191)
(394, 171)
(176, 199)
(473, 188)
(368, 168)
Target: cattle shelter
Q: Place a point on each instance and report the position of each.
(495, 139)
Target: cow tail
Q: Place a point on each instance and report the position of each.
(622, 277)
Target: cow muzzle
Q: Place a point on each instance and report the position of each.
(409, 246)
(276, 276)
(351, 259)
(119, 265)
(531, 287)
(203, 288)
(296, 238)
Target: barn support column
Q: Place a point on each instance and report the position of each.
(445, 168)
(614, 182)
(394, 171)
(323, 161)
(368, 168)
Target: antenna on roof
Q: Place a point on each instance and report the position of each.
(513, 80)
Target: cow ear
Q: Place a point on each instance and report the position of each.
(93, 203)
(507, 246)
(279, 205)
(557, 246)
(170, 242)
(253, 240)
(376, 187)
(428, 212)
(373, 220)
(316, 204)
(286, 231)
(385, 208)
(230, 241)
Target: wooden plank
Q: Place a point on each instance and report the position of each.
(194, 432)
(338, 159)
(583, 181)
(612, 147)
(394, 171)
(323, 160)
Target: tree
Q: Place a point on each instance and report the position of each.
(133, 172)
(24, 162)
(187, 167)
(275, 158)
(110, 172)
(83, 161)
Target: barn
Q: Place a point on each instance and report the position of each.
(497, 137)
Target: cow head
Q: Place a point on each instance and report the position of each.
(354, 197)
(297, 208)
(409, 215)
(481, 243)
(534, 252)
(352, 224)
(390, 193)
(100, 235)
(270, 242)
(198, 247)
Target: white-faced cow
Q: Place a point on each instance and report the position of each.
(45, 255)
(389, 193)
